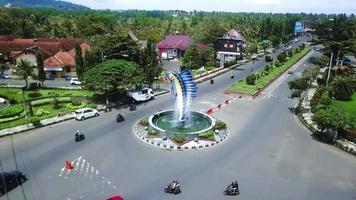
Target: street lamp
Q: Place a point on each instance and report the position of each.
(24, 104)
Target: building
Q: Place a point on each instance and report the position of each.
(62, 64)
(59, 54)
(229, 47)
(173, 46)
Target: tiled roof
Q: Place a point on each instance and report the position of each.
(175, 42)
(6, 38)
(48, 46)
(60, 59)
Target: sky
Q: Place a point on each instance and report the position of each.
(274, 6)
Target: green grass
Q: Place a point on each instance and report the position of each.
(15, 93)
(348, 106)
(242, 87)
(48, 107)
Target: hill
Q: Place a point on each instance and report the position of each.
(62, 5)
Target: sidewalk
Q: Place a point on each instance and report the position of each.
(45, 122)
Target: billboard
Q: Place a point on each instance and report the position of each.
(298, 28)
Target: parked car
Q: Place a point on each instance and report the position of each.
(75, 81)
(84, 113)
(2, 100)
(10, 180)
(290, 72)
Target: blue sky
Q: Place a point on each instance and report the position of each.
(283, 6)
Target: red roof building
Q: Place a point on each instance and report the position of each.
(173, 46)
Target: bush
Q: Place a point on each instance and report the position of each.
(267, 68)
(35, 121)
(281, 57)
(41, 102)
(153, 133)
(230, 63)
(34, 95)
(251, 79)
(178, 138)
(41, 112)
(277, 63)
(70, 106)
(144, 121)
(209, 135)
(268, 58)
(56, 104)
(219, 125)
(11, 111)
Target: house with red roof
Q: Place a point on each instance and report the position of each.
(173, 46)
(59, 53)
(62, 64)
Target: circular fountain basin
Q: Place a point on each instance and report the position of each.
(164, 122)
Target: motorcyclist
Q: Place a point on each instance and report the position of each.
(232, 75)
(78, 133)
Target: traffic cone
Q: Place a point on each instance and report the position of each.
(69, 165)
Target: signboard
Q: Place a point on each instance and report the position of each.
(298, 27)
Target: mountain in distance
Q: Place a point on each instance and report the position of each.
(61, 5)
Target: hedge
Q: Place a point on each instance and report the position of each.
(178, 139)
(41, 102)
(219, 125)
(11, 111)
(209, 135)
(74, 107)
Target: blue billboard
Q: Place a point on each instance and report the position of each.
(298, 27)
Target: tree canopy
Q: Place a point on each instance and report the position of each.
(113, 76)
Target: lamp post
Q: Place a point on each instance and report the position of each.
(24, 104)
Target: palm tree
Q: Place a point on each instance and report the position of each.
(343, 88)
(24, 69)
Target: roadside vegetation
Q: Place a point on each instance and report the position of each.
(256, 81)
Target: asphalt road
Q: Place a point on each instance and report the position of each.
(269, 152)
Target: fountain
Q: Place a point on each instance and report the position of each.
(182, 120)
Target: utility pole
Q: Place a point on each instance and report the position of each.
(24, 105)
(331, 61)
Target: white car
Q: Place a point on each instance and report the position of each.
(2, 100)
(84, 113)
(75, 81)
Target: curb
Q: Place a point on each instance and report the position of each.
(6, 132)
(171, 147)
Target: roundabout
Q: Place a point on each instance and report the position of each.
(181, 128)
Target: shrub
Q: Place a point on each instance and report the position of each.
(144, 121)
(303, 46)
(178, 138)
(251, 79)
(56, 104)
(219, 125)
(70, 106)
(277, 63)
(281, 57)
(34, 95)
(41, 102)
(153, 133)
(267, 68)
(209, 135)
(268, 58)
(41, 112)
(290, 53)
(35, 121)
(11, 111)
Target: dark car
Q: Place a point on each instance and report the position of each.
(10, 180)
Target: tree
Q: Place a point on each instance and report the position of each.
(79, 62)
(40, 68)
(310, 74)
(281, 57)
(251, 79)
(195, 58)
(333, 120)
(113, 76)
(24, 69)
(149, 63)
(3, 66)
(342, 88)
(297, 86)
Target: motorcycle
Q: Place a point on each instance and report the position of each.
(232, 190)
(120, 118)
(79, 136)
(132, 107)
(172, 190)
